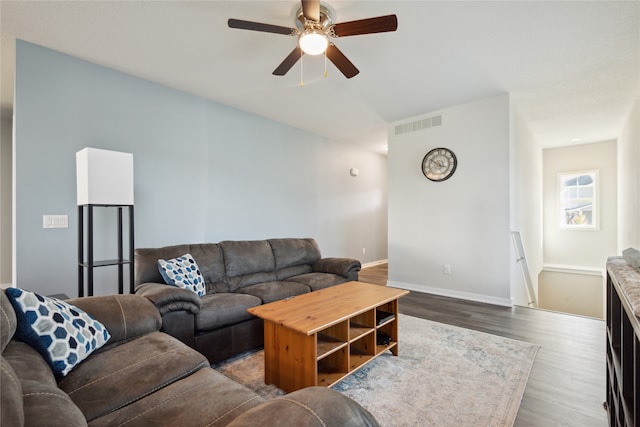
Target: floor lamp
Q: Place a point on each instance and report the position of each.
(104, 179)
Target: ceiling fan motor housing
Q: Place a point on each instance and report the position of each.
(326, 20)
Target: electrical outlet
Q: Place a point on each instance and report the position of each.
(447, 269)
(364, 251)
(55, 221)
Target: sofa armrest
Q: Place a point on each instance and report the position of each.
(125, 316)
(311, 406)
(346, 267)
(168, 298)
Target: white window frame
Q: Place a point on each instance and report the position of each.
(564, 202)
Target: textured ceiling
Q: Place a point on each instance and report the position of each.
(572, 67)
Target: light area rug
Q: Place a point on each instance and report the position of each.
(443, 376)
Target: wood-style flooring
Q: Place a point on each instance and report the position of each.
(567, 382)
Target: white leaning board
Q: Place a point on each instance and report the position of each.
(521, 258)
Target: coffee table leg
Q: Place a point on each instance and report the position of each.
(289, 358)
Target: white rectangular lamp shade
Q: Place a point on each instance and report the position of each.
(104, 177)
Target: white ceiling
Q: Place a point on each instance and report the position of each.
(572, 67)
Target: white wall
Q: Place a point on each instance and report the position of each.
(526, 206)
(309, 190)
(579, 293)
(463, 221)
(6, 180)
(629, 182)
(588, 248)
(203, 172)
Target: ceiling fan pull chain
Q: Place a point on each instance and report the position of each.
(325, 64)
(301, 71)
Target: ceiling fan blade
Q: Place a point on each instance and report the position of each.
(258, 26)
(288, 62)
(311, 10)
(341, 62)
(380, 24)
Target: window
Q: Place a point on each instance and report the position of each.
(578, 200)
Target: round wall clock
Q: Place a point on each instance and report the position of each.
(439, 164)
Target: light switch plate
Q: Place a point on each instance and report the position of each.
(55, 221)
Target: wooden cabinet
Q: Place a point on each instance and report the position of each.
(623, 345)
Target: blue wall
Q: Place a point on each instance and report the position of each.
(203, 172)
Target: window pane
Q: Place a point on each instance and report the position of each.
(577, 194)
(585, 193)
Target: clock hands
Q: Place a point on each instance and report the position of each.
(439, 164)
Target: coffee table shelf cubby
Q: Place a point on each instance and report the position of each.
(321, 337)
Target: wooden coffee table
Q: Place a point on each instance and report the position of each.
(321, 337)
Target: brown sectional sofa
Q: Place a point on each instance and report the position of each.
(144, 377)
(238, 275)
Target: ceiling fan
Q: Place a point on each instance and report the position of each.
(314, 30)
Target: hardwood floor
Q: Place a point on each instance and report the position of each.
(377, 274)
(567, 382)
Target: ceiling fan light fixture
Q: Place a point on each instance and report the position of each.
(313, 41)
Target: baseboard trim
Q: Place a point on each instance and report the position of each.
(574, 269)
(374, 263)
(505, 302)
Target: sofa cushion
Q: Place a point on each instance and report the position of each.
(64, 334)
(125, 316)
(245, 257)
(216, 400)
(28, 363)
(238, 282)
(48, 406)
(12, 413)
(289, 252)
(248, 263)
(211, 262)
(8, 321)
(222, 309)
(146, 262)
(317, 281)
(294, 270)
(182, 272)
(274, 291)
(110, 380)
(44, 404)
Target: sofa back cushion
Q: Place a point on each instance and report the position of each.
(248, 263)
(294, 256)
(146, 262)
(210, 261)
(207, 255)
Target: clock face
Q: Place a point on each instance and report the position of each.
(439, 164)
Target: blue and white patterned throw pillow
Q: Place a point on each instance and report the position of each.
(183, 272)
(62, 333)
